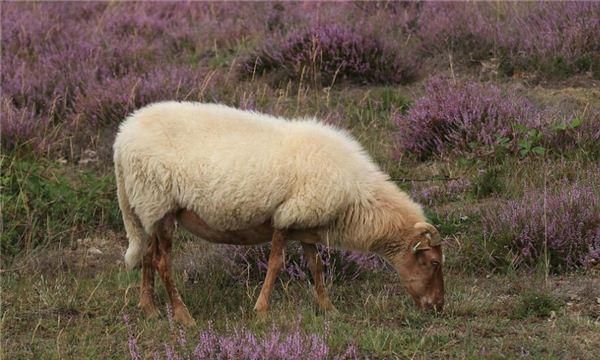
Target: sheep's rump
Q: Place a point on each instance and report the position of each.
(237, 169)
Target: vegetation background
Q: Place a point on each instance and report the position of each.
(486, 113)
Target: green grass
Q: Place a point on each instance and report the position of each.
(536, 304)
(46, 202)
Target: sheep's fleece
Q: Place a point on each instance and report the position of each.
(235, 169)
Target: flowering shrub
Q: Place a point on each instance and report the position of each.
(467, 116)
(454, 117)
(82, 67)
(556, 38)
(566, 222)
(53, 65)
(436, 194)
(454, 26)
(241, 344)
(328, 53)
(109, 101)
(22, 127)
(552, 38)
(577, 130)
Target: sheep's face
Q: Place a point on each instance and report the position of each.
(420, 268)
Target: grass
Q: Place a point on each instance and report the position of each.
(38, 193)
(77, 313)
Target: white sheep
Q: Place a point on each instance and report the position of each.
(241, 177)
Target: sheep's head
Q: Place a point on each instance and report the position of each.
(420, 266)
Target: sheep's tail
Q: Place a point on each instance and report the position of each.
(135, 231)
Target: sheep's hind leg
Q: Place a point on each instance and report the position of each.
(316, 269)
(164, 233)
(147, 288)
(276, 260)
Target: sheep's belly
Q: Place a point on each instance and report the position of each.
(252, 236)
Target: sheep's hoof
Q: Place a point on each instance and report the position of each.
(262, 316)
(182, 316)
(326, 307)
(261, 311)
(261, 306)
(331, 310)
(148, 308)
(325, 304)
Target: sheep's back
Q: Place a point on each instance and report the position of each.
(237, 169)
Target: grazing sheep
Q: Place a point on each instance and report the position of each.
(239, 177)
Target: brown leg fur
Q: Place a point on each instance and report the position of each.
(276, 260)
(316, 268)
(162, 262)
(147, 288)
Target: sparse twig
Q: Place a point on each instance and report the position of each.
(451, 60)
(435, 178)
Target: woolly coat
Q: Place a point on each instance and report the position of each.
(239, 169)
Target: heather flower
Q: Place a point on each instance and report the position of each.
(243, 344)
(325, 54)
(558, 37)
(132, 344)
(23, 127)
(437, 194)
(554, 38)
(110, 100)
(457, 116)
(455, 26)
(575, 130)
(564, 224)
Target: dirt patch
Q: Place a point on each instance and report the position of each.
(87, 257)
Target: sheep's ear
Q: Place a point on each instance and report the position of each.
(430, 232)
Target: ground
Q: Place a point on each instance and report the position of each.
(68, 303)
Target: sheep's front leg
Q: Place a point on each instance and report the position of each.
(147, 289)
(316, 269)
(276, 260)
(162, 261)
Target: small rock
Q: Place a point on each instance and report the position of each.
(94, 251)
(89, 156)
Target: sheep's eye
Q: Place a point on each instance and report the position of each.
(435, 263)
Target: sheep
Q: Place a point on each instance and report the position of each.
(240, 177)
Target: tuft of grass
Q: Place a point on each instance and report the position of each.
(487, 183)
(536, 304)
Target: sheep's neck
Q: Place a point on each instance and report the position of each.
(366, 226)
